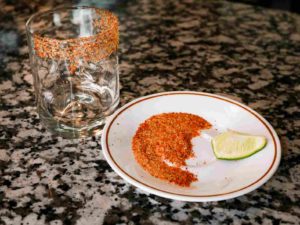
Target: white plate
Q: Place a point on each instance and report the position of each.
(217, 179)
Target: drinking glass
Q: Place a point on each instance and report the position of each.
(73, 57)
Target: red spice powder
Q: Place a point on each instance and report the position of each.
(90, 49)
(167, 137)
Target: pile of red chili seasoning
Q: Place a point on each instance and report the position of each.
(165, 138)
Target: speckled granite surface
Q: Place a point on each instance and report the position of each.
(247, 53)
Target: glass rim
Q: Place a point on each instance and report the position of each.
(101, 44)
(57, 9)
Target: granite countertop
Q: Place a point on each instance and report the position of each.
(244, 52)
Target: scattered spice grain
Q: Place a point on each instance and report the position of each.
(167, 138)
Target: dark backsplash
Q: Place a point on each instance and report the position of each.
(289, 5)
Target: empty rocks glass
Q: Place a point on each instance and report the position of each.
(73, 56)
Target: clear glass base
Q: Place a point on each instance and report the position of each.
(93, 128)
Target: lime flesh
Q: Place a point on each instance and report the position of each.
(232, 145)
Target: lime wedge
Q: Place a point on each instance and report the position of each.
(233, 145)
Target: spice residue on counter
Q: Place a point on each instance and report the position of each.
(165, 138)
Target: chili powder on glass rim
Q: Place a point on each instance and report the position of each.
(163, 143)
